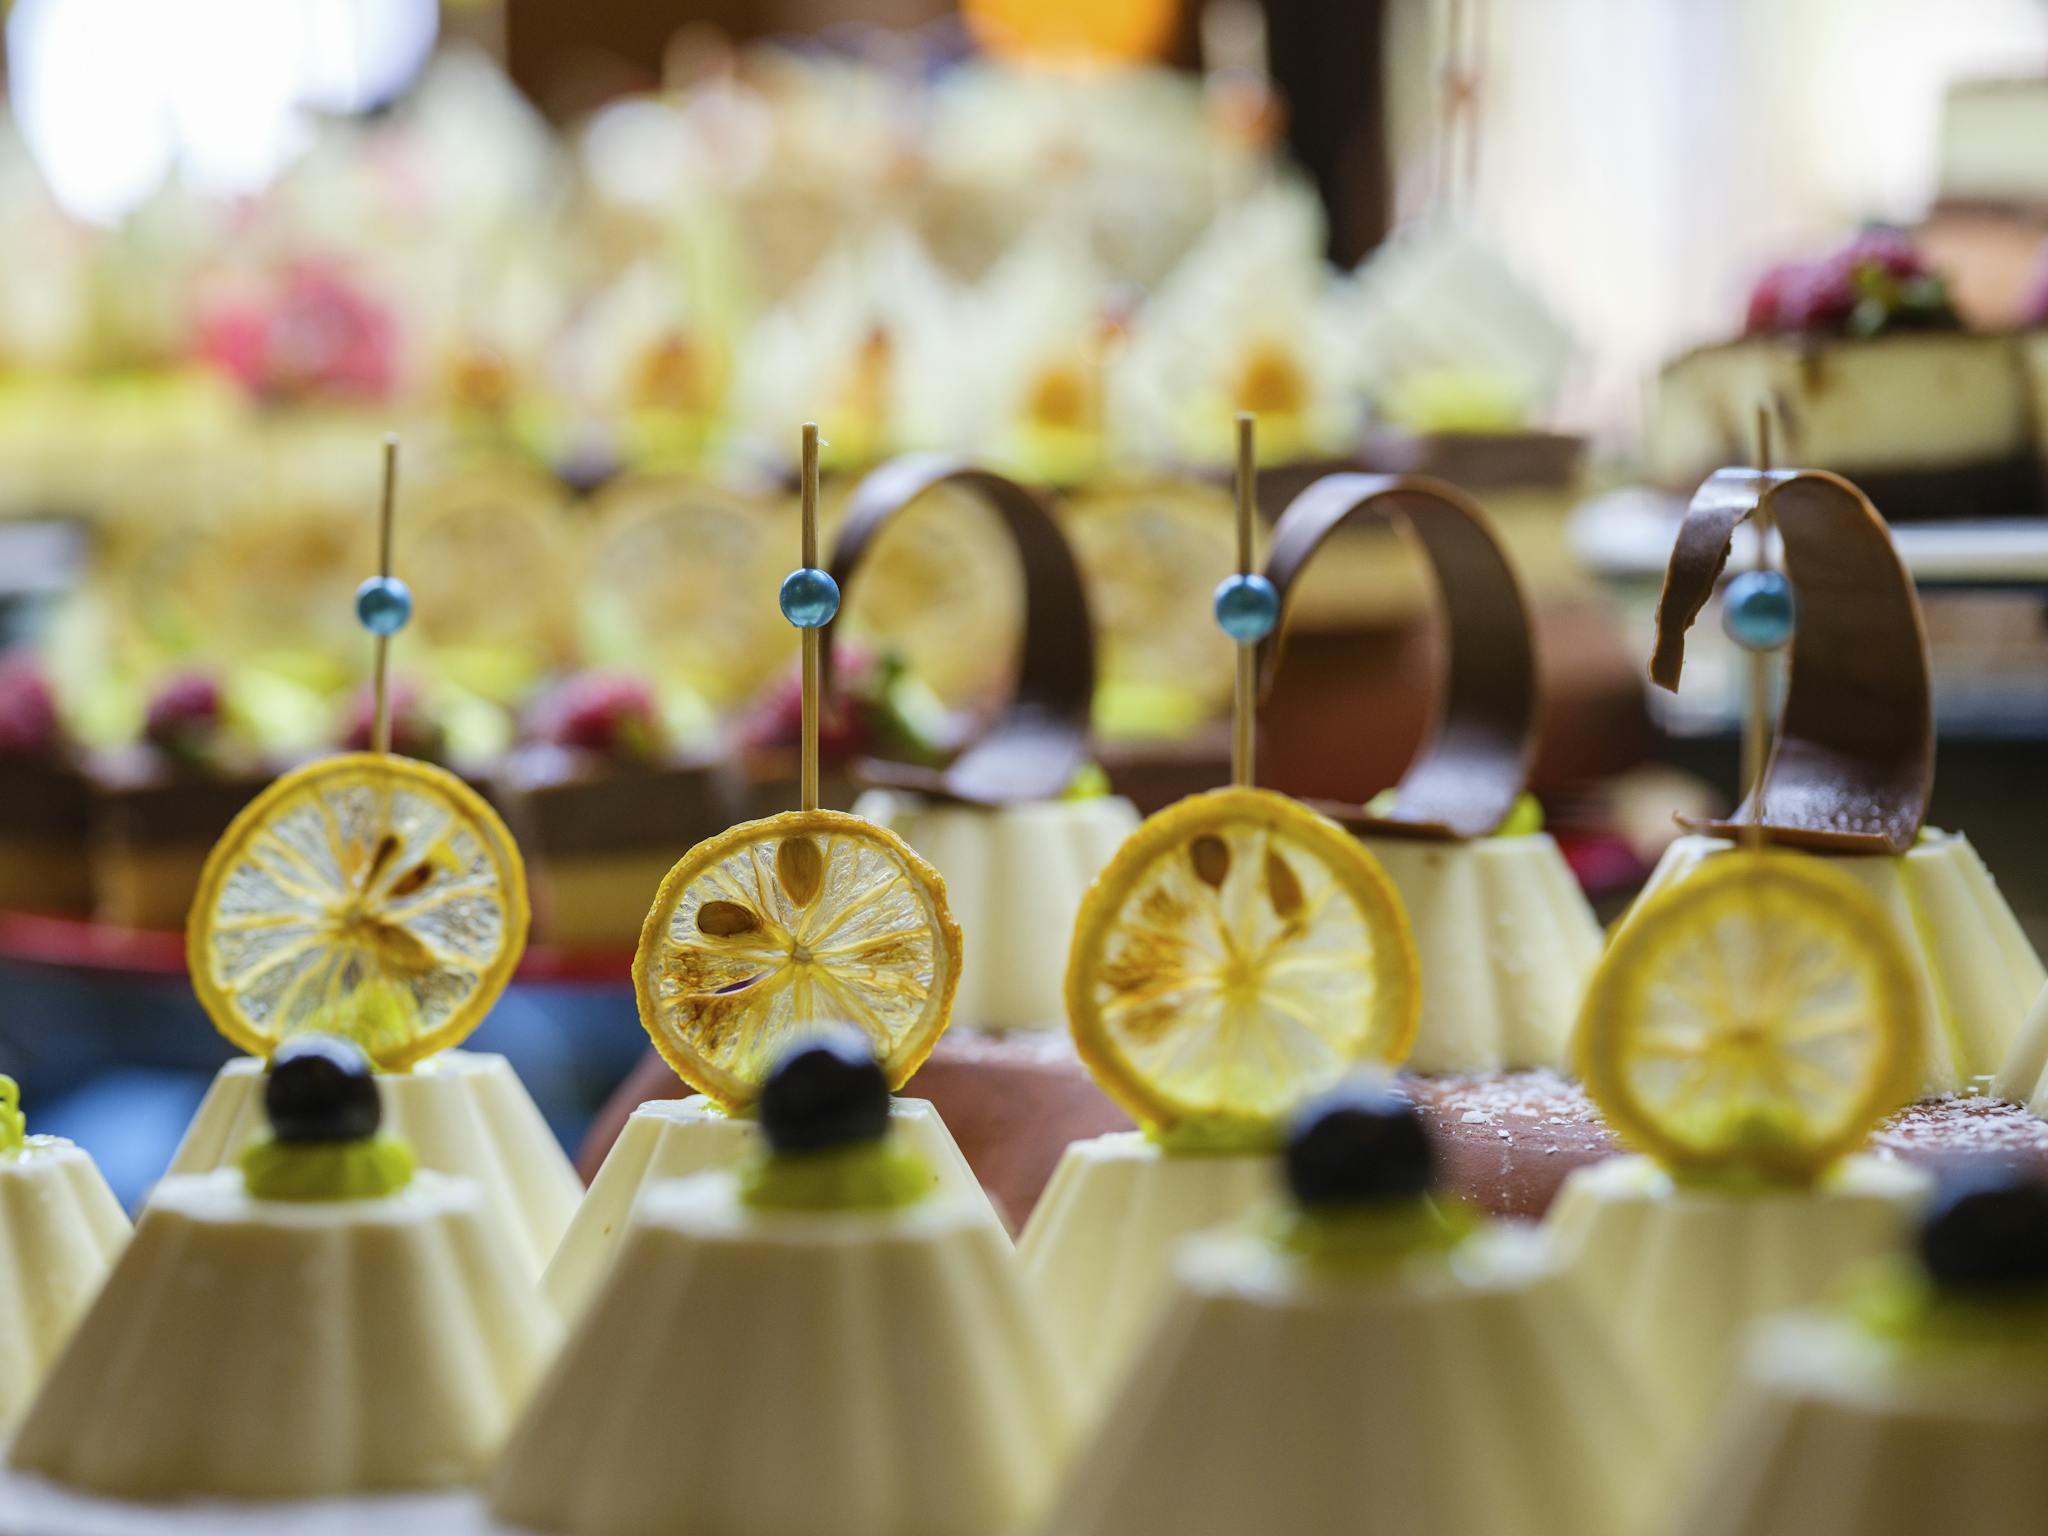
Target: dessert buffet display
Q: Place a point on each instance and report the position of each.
(1300, 1073)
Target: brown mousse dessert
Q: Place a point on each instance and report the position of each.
(1874, 377)
(602, 808)
(161, 803)
(43, 799)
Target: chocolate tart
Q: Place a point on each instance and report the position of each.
(154, 821)
(45, 817)
(599, 833)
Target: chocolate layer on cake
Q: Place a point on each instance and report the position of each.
(154, 821)
(45, 815)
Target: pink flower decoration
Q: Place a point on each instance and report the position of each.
(318, 335)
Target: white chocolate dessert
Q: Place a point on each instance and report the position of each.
(1097, 1255)
(1366, 1360)
(1679, 1272)
(668, 1139)
(1240, 954)
(1506, 939)
(819, 1343)
(464, 1113)
(1014, 877)
(346, 1325)
(1975, 970)
(60, 1230)
(1920, 1403)
(2023, 1078)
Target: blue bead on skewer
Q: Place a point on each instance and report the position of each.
(1247, 607)
(1758, 610)
(809, 597)
(384, 605)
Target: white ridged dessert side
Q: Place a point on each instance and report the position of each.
(1097, 1254)
(1977, 972)
(1506, 941)
(1679, 1273)
(1475, 1396)
(676, 1138)
(1835, 1434)
(928, 1399)
(1014, 878)
(465, 1113)
(60, 1229)
(257, 1349)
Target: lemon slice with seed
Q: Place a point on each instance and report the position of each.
(365, 895)
(1240, 954)
(1759, 1017)
(765, 932)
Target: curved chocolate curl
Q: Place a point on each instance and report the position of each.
(1475, 763)
(1040, 741)
(1853, 762)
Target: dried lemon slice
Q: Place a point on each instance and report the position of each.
(365, 895)
(1759, 1016)
(1240, 954)
(768, 930)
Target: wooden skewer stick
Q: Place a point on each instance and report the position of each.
(1243, 736)
(1756, 732)
(808, 781)
(380, 719)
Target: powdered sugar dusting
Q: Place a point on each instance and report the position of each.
(1964, 1125)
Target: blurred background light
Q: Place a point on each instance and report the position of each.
(113, 96)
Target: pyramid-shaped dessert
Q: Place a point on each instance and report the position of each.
(1850, 775)
(1368, 1359)
(381, 898)
(348, 1324)
(762, 934)
(60, 1229)
(863, 1359)
(1006, 822)
(1505, 936)
(1921, 1403)
(1240, 953)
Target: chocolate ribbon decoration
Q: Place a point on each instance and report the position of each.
(1475, 762)
(1039, 742)
(1853, 763)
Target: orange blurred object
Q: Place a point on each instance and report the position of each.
(1074, 31)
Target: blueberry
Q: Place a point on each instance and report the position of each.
(1988, 1236)
(827, 1092)
(321, 1089)
(1359, 1145)
(809, 598)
